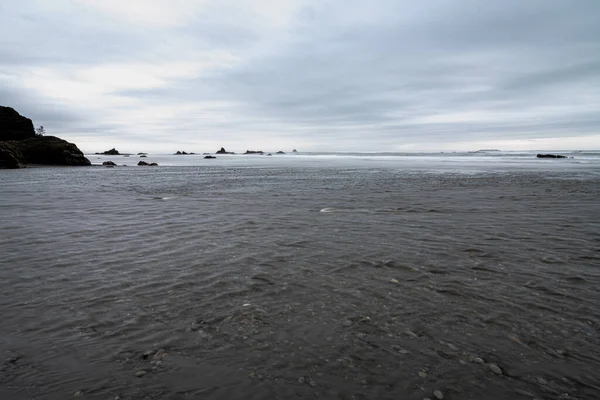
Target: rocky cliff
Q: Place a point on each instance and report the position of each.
(19, 144)
(14, 126)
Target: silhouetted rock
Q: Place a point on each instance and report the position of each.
(145, 164)
(14, 126)
(50, 150)
(143, 156)
(254, 152)
(550, 156)
(210, 157)
(223, 151)
(10, 156)
(294, 151)
(280, 152)
(109, 163)
(111, 152)
(22, 146)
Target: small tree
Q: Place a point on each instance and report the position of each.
(41, 131)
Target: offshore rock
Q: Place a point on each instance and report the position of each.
(111, 152)
(550, 156)
(144, 163)
(14, 126)
(223, 151)
(10, 156)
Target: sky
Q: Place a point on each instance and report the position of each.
(322, 75)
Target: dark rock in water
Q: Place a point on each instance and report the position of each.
(10, 156)
(254, 152)
(210, 157)
(294, 151)
(111, 152)
(269, 154)
(142, 163)
(143, 156)
(550, 156)
(153, 164)
(280, 152)
(182, 153)
(109, 163)
(223, 151)
(50, 150)
(14, 126)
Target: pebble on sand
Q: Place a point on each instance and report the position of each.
(495, 369)
(301, 380)
(347, 323)
(438, 394)
(393, 280)
(422, 374)
(78, 393)
(139, 374)
(478, 360)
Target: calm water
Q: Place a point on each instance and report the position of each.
(309, 276)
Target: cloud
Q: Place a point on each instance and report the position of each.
(335, 75)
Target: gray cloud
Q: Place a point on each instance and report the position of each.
(331, 75)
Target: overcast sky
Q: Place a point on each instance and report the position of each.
(378, 75)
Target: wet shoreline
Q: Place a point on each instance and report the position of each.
(235, 285)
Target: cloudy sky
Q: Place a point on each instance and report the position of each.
(348, 75)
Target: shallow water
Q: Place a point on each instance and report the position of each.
(339, 279)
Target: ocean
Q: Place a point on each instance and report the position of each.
(313, 275)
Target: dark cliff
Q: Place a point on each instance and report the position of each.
(19, 145)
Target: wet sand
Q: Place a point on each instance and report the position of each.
(254, 283)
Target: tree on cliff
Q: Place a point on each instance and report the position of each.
(41, 131)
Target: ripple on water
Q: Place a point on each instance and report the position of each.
(235, 276)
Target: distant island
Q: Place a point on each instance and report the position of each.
(21, 145)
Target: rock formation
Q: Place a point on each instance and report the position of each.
(19, 145)
(550, 156)
(210, 157)
(254, 152)
(14, 126)
(111, 152)
(50, 150)
(223, 151)
(10, 156)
